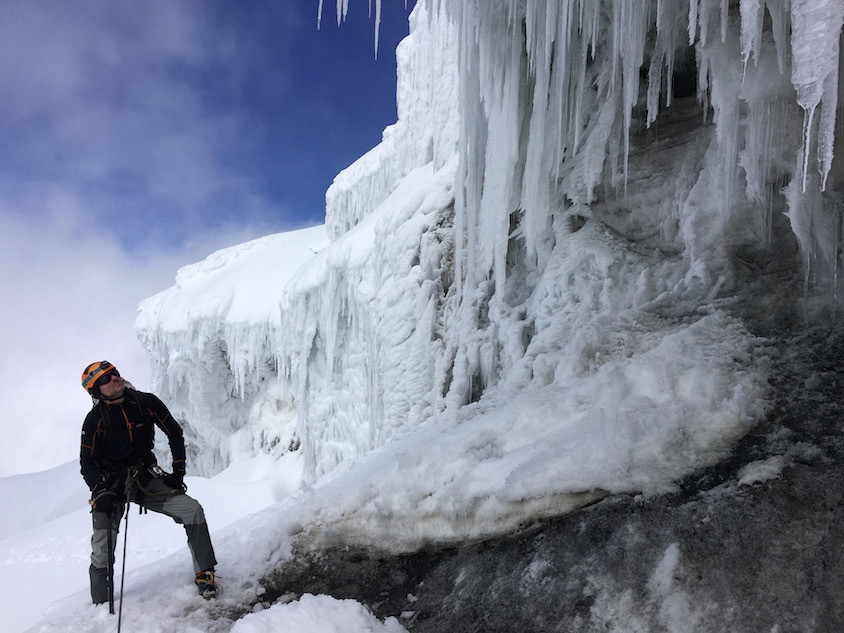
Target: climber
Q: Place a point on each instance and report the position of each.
(118, 466)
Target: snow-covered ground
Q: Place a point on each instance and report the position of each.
(477, 478)
(44, 556)
(45, 534)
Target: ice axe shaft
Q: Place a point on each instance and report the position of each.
(110, 563)
(123, 570)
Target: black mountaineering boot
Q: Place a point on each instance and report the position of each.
(206, 585)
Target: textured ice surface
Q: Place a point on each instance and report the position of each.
(545, 244)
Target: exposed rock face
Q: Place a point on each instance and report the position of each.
(753, 544)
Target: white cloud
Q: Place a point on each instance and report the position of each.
(138, 109)
(70, 293)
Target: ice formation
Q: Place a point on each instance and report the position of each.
(213, 339)
(551, 222)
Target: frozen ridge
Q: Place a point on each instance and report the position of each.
(536, 289)
(426, 130)
(213, 338)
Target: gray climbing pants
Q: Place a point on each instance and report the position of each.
(157, 498)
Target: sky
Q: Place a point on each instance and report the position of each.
(137, 138)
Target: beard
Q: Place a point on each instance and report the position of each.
(116, 393)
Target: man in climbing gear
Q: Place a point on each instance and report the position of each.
(119, 467)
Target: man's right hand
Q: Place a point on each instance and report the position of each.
(103, 499)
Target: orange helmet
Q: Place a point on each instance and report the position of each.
(92, 374)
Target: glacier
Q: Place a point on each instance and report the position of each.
(544, 265)
(566, 354)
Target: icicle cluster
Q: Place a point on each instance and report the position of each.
(342, 11)
(548, 92)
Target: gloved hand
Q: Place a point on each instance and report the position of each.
(103, 499)
(175, 480)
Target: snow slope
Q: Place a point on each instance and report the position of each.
(45, 539)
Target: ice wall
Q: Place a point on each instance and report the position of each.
(569, 184)
(362, 327)
(612, 159)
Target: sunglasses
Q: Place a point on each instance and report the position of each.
(106, 378)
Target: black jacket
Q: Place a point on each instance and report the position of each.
(115, 436)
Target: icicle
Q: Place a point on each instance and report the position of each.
(633, 20)
(816, 30)
(575, 123)
(693, 10)
(377, 23)
(751, 30)
(662, 60)
(808, 115)
(592, 20)
(826, 126)
(703, 21)
(617, 27)
(655, 69)
(779, 29)
(703, 83)
(654, 84)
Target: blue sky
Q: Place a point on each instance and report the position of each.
(189, 113)
(138, 137)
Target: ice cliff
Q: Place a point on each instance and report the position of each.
(213, 338)
(548, 244)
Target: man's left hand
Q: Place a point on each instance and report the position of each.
(176, 481)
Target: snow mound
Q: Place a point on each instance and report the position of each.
(316, 614)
